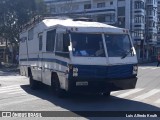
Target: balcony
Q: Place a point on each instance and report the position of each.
(140, 11)
(107, 9)
(140, 26)
(92, 11)
(152, 42)
(152, 30)
(151, 4)
(138, 37)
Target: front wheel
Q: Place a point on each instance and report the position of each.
(57, 89)
(33, 83)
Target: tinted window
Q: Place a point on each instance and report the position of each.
(117, 45)
(40, 42)
(50, 40)
(62, 43)
(87, 45)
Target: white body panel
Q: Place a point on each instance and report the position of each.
(43, 63)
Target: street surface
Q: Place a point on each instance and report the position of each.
(16, 95)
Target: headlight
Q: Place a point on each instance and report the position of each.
(135, 69)
(75, 72)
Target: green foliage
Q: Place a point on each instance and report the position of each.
(15, 13)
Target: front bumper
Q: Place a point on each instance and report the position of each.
(102, 85)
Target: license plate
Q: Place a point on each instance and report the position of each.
(81, 83)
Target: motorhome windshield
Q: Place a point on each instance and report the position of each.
(87, 45)
(118, 45)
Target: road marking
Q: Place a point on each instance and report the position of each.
(129, 93)
(16, 102)
(115, 92)
(146, 95)
(17, 92)
(157, 101)
(6, 91)
(154, 68)
(9, 89)
(143, 68)
(11, 86)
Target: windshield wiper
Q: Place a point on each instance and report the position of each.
(126, 53)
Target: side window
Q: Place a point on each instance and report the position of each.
(30, 34)
(59, 42)
(50, 40)
(40, 38)
(62, 43)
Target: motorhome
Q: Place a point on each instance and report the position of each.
(72, 55)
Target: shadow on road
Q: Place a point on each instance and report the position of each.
(90, 102)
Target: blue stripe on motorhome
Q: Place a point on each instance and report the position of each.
(46, 60)
(110, 72)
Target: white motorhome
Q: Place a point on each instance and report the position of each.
(78, 56)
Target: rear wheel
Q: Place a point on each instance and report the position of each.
(33, 83)
(56, 87)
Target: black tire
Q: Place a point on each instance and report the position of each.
(56, 87)
(33, 83)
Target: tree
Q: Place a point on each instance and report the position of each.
(16, 13)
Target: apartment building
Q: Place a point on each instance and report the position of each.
(158, 26)
(139, 16)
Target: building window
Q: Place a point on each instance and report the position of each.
(111, 3)
(154, 12)
(121, 22)
(150, 1)
(139, 33)
(110, 17)
(50, 40)
(30, 34)
(100, 5)
(101, 18)
(52, 9)
(75, 7)
(154, 24)
(149, 12)
(64, 8)
(139, 5)
(149, 24)
(87, 6)
(139, 19)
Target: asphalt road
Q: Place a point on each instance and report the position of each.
(15, 95)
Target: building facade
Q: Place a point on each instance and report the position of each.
(139, 16)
